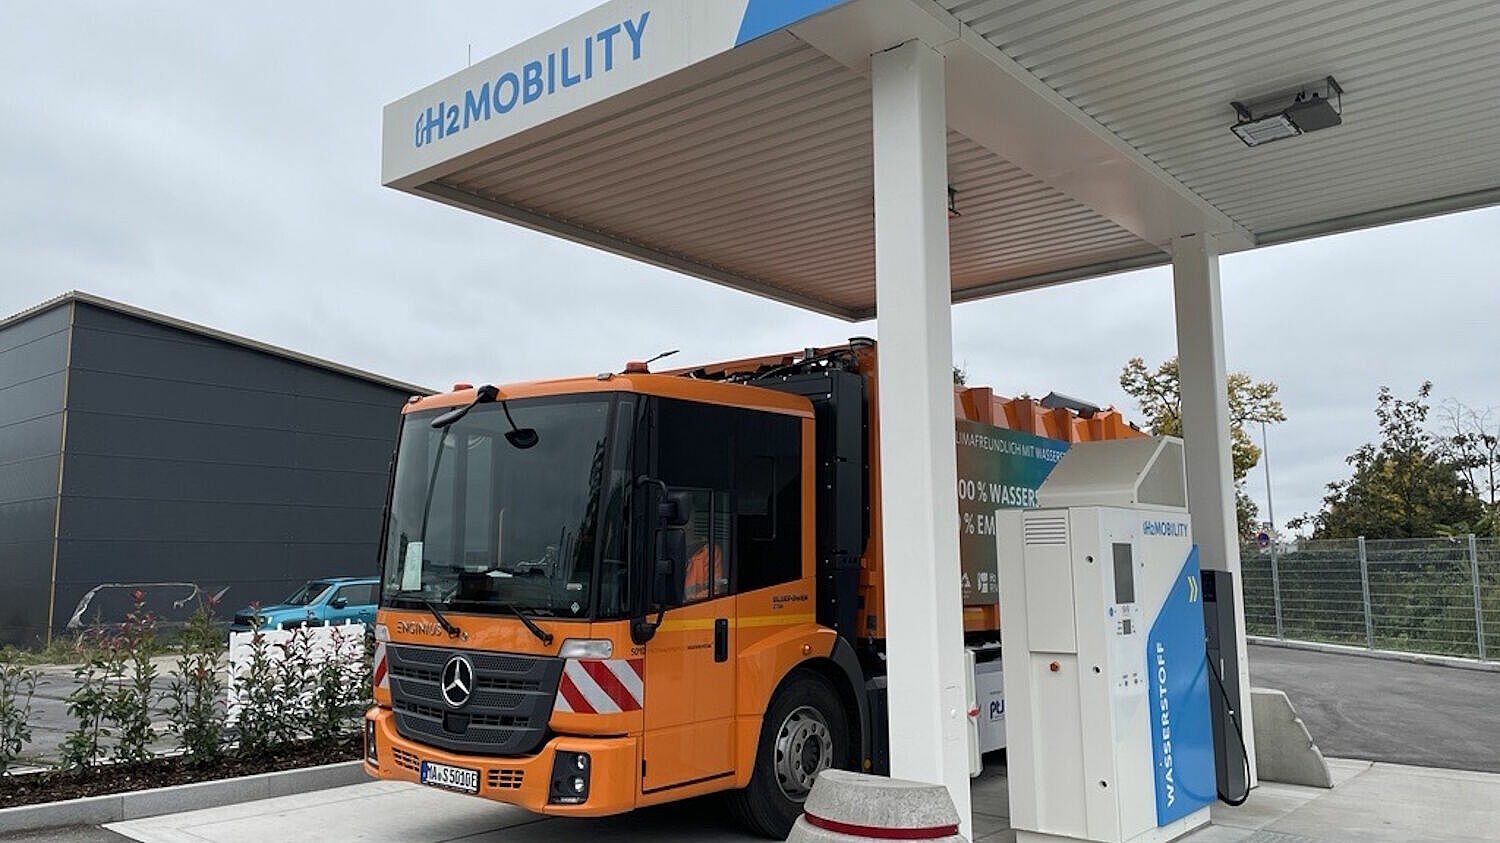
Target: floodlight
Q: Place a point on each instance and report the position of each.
(1307, 111)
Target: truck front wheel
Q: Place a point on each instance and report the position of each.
(805, 731)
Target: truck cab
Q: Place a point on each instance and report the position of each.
(594, 591)
(605, 593)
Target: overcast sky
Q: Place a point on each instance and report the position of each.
(220, 163)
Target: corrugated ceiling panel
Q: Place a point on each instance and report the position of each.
(1422, 82)
(786, 134)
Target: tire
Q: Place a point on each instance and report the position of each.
(805, 730)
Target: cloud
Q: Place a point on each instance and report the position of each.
(221, 164)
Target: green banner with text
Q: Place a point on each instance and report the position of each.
(997, 468)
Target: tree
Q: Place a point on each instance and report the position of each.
(1159, 396)
(1473, 440)
(960, 377)
(1407, 485)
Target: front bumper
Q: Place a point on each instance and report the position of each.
(522, 780)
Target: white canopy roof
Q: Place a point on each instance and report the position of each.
(732, 140)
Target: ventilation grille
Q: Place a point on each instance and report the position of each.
(504, 779)
(406, 759)
(1046, 529)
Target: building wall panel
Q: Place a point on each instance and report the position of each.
(194, 459)
(33, 362)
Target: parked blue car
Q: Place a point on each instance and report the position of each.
(333, 600)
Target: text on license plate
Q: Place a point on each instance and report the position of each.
(453, 778)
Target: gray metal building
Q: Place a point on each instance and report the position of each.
(137, 449)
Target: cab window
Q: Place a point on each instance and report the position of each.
(739, 472)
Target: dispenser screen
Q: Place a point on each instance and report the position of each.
(1124, 574)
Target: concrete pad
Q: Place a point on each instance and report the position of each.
(373, 811)
(1265, 806)
(1344, 769)
(1399, 803)
(1219, 834)
(990, 794)
(987, 825)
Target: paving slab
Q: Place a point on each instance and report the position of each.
(1371, 802)
(1400, 803)
(370, 811)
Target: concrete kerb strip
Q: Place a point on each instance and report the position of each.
(1389, 655)
(139, 804)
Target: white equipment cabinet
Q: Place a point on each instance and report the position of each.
(1106, 685)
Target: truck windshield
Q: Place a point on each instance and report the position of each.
(478, 524)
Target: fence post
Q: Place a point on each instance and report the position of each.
(1364, 587)
(1276, 587)
(1478, 603)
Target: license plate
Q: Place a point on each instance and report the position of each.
(452, 778)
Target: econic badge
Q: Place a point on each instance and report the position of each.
(564, 67)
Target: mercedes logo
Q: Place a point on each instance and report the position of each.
(457, 681)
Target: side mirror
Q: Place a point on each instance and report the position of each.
(339, 603)
(671, 562)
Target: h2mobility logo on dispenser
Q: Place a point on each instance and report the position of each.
(1181, 732)
(595, 55)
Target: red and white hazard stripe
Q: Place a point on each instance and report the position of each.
(607, 686)
(381, 671)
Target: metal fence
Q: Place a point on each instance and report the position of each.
(1439, 596)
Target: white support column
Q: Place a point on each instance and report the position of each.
(918, 463)
(1204, 381)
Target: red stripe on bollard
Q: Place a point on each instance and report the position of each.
(931, 833)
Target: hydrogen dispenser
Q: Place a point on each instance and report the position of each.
(1106, 684)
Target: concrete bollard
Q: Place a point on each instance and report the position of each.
(845, 807)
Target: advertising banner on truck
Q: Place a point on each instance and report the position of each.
(997, 468)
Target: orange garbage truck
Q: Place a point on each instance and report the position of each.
(614, 591)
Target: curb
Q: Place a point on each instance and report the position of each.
(139, 804)
(1386, 655)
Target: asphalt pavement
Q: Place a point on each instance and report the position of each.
(1388, 710)
(50, 721)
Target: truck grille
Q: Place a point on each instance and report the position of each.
(506, 714)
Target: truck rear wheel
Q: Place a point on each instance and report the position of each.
(805, 731)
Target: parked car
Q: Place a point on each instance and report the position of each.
(332, 600)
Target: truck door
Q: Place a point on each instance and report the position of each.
(689, 669)
(689, 664)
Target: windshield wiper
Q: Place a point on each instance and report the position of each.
(542, 635)
(447, 625)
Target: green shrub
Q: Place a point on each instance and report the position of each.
(17, 687)
(194, 695)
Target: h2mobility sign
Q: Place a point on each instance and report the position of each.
(997, 468)
(606, 51)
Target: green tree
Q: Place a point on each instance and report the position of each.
(1158, 393)
(1407, 485)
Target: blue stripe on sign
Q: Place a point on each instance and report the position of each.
(1181, 731)
(766, 16)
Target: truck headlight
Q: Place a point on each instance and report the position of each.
(372, 754)
(570, 779)
(586, 648)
